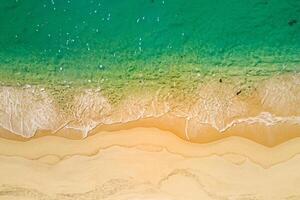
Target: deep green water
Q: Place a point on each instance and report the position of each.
(113, 43)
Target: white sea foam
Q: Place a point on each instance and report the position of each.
(26, 110)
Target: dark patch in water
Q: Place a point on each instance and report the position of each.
(292, 22)
(12, 7)
(263, 3)
(239, 92)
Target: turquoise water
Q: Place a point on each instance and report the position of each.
(44, 39)
(152, 26)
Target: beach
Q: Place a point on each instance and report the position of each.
(147, 163)
(149, 100)
(149, 147)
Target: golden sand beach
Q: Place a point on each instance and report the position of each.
(147, 163)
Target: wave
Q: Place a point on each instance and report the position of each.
(216, 107)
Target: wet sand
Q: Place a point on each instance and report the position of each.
(147, 163)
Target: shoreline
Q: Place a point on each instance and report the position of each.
(267, 114)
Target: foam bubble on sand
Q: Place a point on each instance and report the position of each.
(90, 109)
(217, 106)
(263, 118)
(26, 110)
(281, 95)
(221, 107)
(140, 106)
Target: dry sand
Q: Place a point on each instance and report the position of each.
(147, 163)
